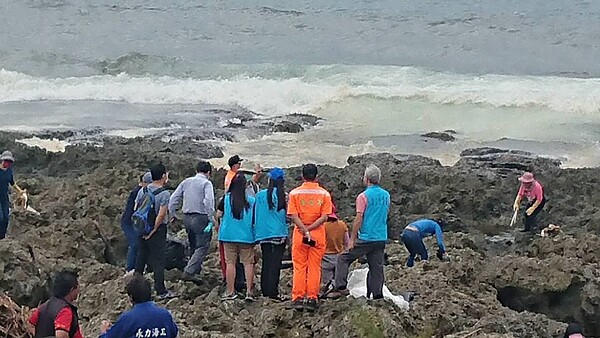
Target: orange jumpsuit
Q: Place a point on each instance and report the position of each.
(309, 201)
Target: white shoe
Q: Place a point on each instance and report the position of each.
(129, 273)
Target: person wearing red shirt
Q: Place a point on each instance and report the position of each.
(58, 316)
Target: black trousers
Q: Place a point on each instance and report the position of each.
(532, 220)
(272, 254)
(375, 277)
(152, 252)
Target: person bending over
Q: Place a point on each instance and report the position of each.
(413, 235)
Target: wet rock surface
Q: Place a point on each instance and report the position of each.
(442, 136)
(499, 282)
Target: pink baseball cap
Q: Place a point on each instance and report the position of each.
(527, 178)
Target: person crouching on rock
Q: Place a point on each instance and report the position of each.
(368, 238)
(127, 225)
(58, 316)
(413, 235)
(236, 232)
(309, 207)
(534, 192)
(6, 181)
(271, 231)
(337, 242)
(145, 319)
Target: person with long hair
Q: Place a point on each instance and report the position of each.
(236, 231)
(271, 231)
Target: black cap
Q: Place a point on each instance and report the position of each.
(233, 160)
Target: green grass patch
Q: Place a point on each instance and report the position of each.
(367, 324)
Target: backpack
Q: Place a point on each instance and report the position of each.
(145, 215)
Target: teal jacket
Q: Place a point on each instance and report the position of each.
(269, 223)
(237, 230)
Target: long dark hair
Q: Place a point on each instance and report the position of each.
(280, 194)
(237, 189)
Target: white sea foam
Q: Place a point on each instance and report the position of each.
(50, 145)
(319, 86)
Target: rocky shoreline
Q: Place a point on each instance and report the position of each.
(500, 283)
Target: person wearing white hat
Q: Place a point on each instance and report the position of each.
(6, 181)
(534, 192)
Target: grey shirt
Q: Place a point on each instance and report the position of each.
(198, 196)
(160, 200)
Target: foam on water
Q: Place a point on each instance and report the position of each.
(317, 86)
(50, 145)
(370, 108)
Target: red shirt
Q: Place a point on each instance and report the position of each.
(62, 321)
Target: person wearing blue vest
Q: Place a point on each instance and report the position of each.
(271, 231)
(236, 231)
(369, 236)
(413, 235)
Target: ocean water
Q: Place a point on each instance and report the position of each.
(511, 74)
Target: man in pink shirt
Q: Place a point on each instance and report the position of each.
(534, 192)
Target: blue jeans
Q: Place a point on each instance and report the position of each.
(132, 244)
(4, 216)
(414, 243)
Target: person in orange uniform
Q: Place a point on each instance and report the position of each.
(309, 206)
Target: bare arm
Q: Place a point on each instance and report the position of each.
(346, 240)
(358, 221)
(218, 216)
(317, 223)
(297, 222)
(535, 205)
(162, 214)
(517, 202)
(17, 188)
(258, 170)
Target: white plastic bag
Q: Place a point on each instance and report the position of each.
(357, 285)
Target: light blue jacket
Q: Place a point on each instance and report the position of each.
(374, 226)
(237, 230)
(270, 223)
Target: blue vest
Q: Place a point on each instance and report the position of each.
(374, 226)
(237, 230)
(270, 223)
